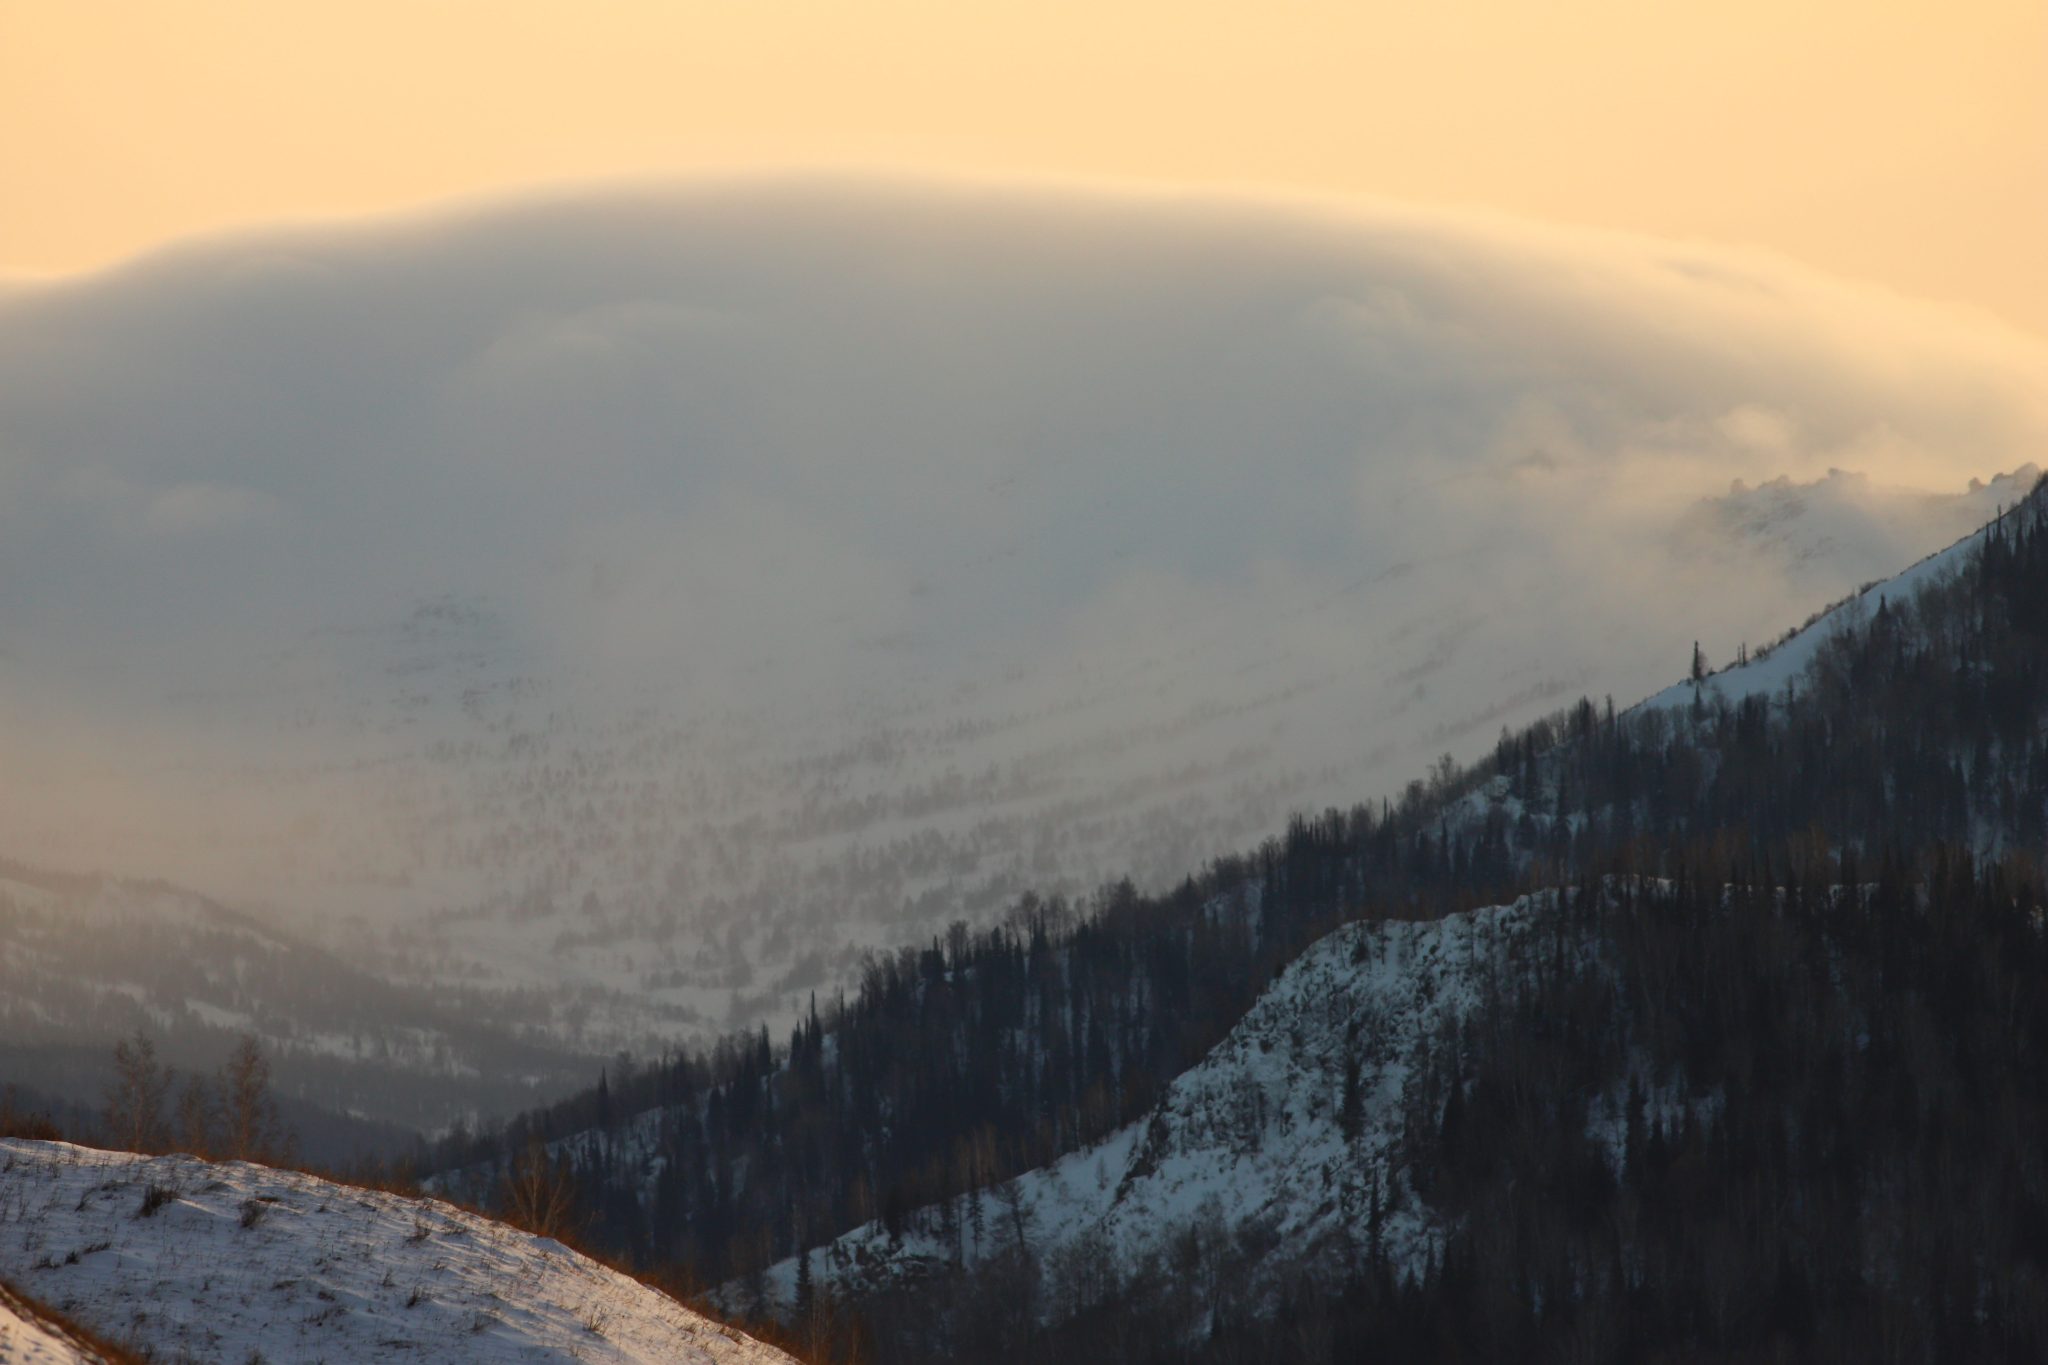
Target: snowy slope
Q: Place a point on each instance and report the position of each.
(243, 1262)
(26, 1338)
(1251, 1140)
(1768, 672)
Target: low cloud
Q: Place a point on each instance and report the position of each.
(207, 509)
(1302, 493)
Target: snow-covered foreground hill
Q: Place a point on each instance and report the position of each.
(1253, 1147)
(28, 1338)
(231, 1262)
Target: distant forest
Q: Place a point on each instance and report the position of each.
(1824, 906)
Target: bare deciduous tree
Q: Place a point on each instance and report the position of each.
(538, 1194)
(197, 1115)
(135, 1097)
(250, 1129)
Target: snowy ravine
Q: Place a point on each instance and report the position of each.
(1251, 1140)
(232, 1262)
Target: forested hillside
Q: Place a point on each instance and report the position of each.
(1809, 910)
(1683, 1119)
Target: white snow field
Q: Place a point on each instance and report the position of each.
(233, 1262)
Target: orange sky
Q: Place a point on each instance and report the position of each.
(1901, 142)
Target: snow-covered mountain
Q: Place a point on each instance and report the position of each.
(1286, 1136)
(498, 1004)
(652, 602)
(1311, 1140)
(233, 1262)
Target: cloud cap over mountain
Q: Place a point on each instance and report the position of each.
(905, 380)
(821, 453)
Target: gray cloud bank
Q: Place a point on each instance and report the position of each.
(1307, 492)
